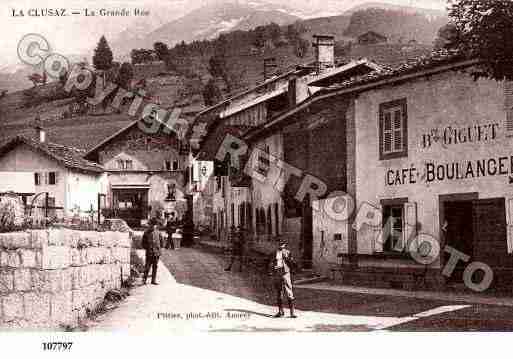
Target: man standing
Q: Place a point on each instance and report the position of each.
(151, 243)
(237, 239)
(282, 262)
(177, 239)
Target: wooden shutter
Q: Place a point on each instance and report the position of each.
(387, 132)
(378, 235)
(508, 107)
(509, 223)
(398, 130)
(409, 225)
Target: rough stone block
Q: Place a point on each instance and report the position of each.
(56, 257)
(37, 307)
(12, 306)
(74, 239)
(124, 240)
(92, 238)
(57, 237)
(67, 279)
(46, 281)
(28, 258)
(6, 282)
(10, 259)
(61, 309)
(126, 270)
(22, 280)
(38, 238)
(15, 240)
(76, 277)
(75, 257)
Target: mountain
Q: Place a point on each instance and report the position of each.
(206, 22)
(429, 13)
(398, 25)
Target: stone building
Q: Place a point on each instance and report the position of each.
(427, 166)
(241, 201)
(72, 183)
(145, 173)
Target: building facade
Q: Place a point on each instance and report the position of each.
(434, 155)
(145, 173)
(71, 182)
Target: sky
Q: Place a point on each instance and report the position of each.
(78, 34)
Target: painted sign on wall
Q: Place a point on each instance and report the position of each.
(453, 135)
(447, 171)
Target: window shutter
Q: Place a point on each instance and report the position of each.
(508, 107)
(509, 223)
(379, 235)
(398, 131)
(409, 226)
(387, 132)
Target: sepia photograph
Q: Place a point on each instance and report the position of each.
(244, 167)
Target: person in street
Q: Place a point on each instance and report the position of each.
(177, 238)
(280, 266)
(151, 243)
(170, 229)
(237, 241)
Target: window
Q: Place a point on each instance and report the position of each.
(508, 107)
(269, 221)
(37, 178)
(125, 164)
(168, 165)
(393, 134)
(52, 178)
(276, 219)
(393, 220)
(175, 165)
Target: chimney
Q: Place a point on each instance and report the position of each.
(297, 90)
(269, 67)
(324, 52)
(40, 131)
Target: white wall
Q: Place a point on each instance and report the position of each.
(24, 159)
(82, 191)
(448, 99)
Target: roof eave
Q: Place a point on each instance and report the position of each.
(327, 93)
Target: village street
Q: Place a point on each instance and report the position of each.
(196, 294)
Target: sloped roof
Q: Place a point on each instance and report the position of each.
(439, 61)
(69, 157)
(433, 60)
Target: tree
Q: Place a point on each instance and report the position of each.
(211, 93)
(448, 37)
(125, 75)
(161, 50)
(102, 59)
(141, 56)
(218, 63)
(485, 32)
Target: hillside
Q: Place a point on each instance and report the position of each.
(397, 25)
(242, 51)
(207, 22)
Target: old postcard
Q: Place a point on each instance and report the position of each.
(255, 166)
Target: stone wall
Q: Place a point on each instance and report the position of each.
(50, 278)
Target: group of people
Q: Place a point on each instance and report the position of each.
(280, 263)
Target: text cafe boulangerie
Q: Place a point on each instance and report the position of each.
(434, 171)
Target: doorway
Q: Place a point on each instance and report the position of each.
(477, 228)
(131, 205)
(459, 233)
